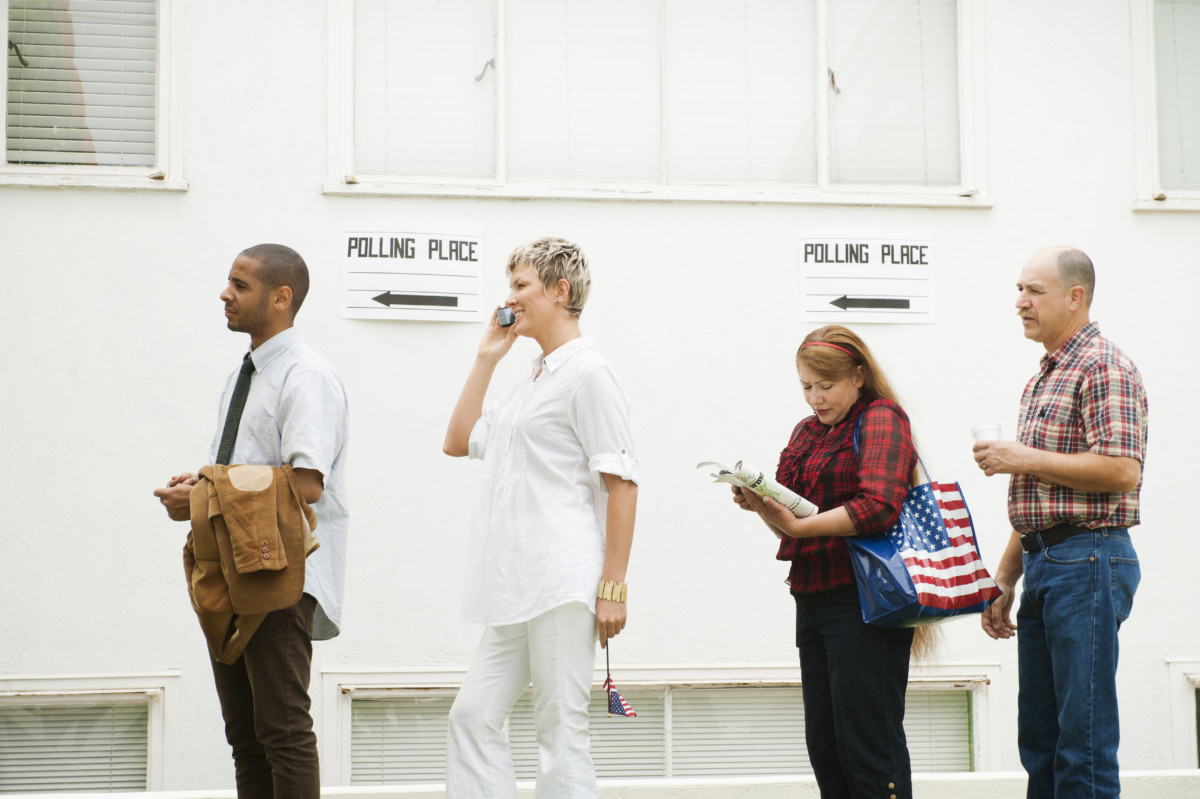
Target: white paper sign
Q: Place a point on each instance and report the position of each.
(414, 276)
(867, 278)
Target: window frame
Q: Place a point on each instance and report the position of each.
(1149, 193)
(971, 193)
(162, 692)
(340, 687)
(1183, 682)
(167, 172)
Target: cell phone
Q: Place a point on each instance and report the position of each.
(505, 316)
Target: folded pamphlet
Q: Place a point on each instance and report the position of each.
(759, 483)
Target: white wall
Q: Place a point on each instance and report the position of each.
(113, 350)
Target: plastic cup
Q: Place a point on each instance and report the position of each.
(986, 432)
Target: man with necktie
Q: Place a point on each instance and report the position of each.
(283, 405)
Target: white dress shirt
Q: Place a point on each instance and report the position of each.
(537, 537)
(296, 413)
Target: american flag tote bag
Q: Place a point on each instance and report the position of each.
(927, 567)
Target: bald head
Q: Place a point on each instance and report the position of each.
(1073, 268)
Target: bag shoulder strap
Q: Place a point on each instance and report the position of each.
(858, 426)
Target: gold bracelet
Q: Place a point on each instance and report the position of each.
(613, 592)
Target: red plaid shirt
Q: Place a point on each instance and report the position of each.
(1087, 397)
(819, 464)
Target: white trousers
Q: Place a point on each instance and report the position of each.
(557, 651)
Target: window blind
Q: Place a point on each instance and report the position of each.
(739, 92)
(1177, 67)
(893, 118)
(82, 82)
(583, 88)
(669, 92)
(398, 740)
(738, 731)
(937, 725)
(679, 731)
(69, 748)
(424, 92)
(621, 747)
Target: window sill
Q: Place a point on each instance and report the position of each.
(949, 198)
(92, 181)
(1178, 203)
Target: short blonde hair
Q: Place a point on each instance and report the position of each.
(555, 259)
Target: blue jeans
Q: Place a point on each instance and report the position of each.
(1076, 595)
(854, 679)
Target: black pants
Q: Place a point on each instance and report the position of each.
(854, 677)
(265, 702)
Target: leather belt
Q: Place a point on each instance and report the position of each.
(1036, 542)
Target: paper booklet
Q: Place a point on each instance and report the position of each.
(762, 485)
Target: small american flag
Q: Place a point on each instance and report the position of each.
(617, 706)
(935, 538)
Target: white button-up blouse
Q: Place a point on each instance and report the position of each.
(537, 537)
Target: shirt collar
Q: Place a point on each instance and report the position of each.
(560, 356)
(273, 347)
(856, 410)
(1071, 347)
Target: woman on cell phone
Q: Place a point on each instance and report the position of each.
(551, 533)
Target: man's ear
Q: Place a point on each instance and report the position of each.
(1077, 297)
(283, 298)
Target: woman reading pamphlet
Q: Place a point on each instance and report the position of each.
(854, 674)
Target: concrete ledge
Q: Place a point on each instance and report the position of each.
(1182, 784)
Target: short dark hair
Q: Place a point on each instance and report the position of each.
(1075, 269)
(281, 266)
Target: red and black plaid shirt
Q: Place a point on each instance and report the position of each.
(819, 464)
(1087, 397)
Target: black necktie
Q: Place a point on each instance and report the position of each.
(237, 404)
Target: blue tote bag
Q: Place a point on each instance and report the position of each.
(927, 567)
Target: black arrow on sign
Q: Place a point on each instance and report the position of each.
(846, 303)
(389, 299)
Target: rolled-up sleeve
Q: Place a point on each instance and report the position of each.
(477, 442)
(885, 462)
(599, 414)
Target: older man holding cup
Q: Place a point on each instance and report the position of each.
(1076, 471)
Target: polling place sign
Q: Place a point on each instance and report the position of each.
(411, 276)
(866, 278)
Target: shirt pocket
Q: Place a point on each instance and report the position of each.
(264, 439)
(1060, 429)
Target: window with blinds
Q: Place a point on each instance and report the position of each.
(60, 747)
(749, 93)
(679, 731)
(81, 82)
(893, 116)
(1177, 69)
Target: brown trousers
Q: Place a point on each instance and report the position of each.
(265, 703)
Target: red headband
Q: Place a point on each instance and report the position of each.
(827, 344)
